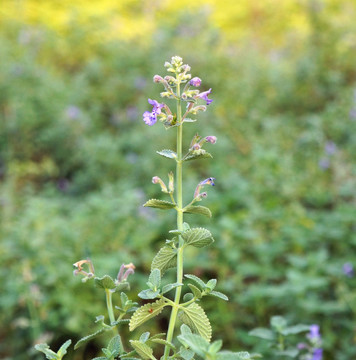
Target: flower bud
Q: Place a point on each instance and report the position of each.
(195, 109)
(157, 180)
(171, 182)
(195, 139)
(195, 82)
(211, 139)
(157, 79)
(196, 147)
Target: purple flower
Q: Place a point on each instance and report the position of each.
(324, 163)
(317, 354)
(208, 181)
(348, 269)
(195, 82)
(314, 332)
(330, 148)
(150, 118)
(204, 96)
(211, 139)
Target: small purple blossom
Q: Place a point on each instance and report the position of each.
(317, 354)
(204, 96)
(330, 148)
(208, 181)
(348, 269)
(314, 333)
(195, 82)
(150, 118)
(211, 139)
(125, 271)
(324, 163)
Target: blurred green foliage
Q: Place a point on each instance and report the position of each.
(76, 162)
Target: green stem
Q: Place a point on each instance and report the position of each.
(179, 182)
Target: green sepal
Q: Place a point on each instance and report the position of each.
(197, 154)
(196, 292)
(197, 280)
(142, 349)
(165, 259)
(170, 287)
(198, 237)
(198, 209)
(146, 312)
(106, 282)
(159, 204)
(148, 294)
(167, 153)
(89, 337)
(195, 317)
(219, 295)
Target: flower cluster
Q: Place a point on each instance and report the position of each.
(173, 91)
(314, 349)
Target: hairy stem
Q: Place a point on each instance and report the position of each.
(179, 182)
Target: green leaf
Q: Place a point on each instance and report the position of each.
(63, 349)
(164, 342)
(170, 287)
(278, 322)
(146, 312)
(197, 154)
(186, 354)
(201, 210)
(196, 343)
(100, 358)
(107, 353)
(197, 280)
(211, 284)
(114, 345)
(215, 346)
(165, 259)
(155, 278)
(262, 333)
(105, 282)
(195, 317)
(145, 336)
(148, 294)
(159, 204)
(196, 292)
(189, 120)
(296, 329)
(124, 299)
(89, 337)
(51, 355)
(198, 237)
(289, 352)
(142, 349)
(218, 294)
(185, 329)
(167, 153)
(121, 321)
(227, 355)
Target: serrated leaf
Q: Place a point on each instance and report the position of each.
(218, 294)
(198, 237)
(159, 204)
(197, 209)
(197, 154)
(51, 355)
(196, 292)
(100, 358)
(145, 336)
(185, 329)
(120, 321)
(105, 282)
(195, 317)
(148, 294)
(88, 337)
(114, 345)
(63, 349)
(165, 259)
(197, 280)
(170, 287)
(227, 355)
(196, 343)
(155, 278)
(142, 349)
(262, 333)
(107, 353)
(164, 342)
(167, 153)
(146, 312)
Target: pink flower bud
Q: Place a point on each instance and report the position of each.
(211, 139)
(157, 79)
(195, 82)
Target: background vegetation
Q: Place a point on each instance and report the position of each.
(76, 160)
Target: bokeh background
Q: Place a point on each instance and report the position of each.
(76, 161)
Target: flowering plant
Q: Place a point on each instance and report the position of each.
(194, 338)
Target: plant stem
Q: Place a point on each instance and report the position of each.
(109, 305)
(179, 181)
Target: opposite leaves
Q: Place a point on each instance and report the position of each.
(198, 237)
